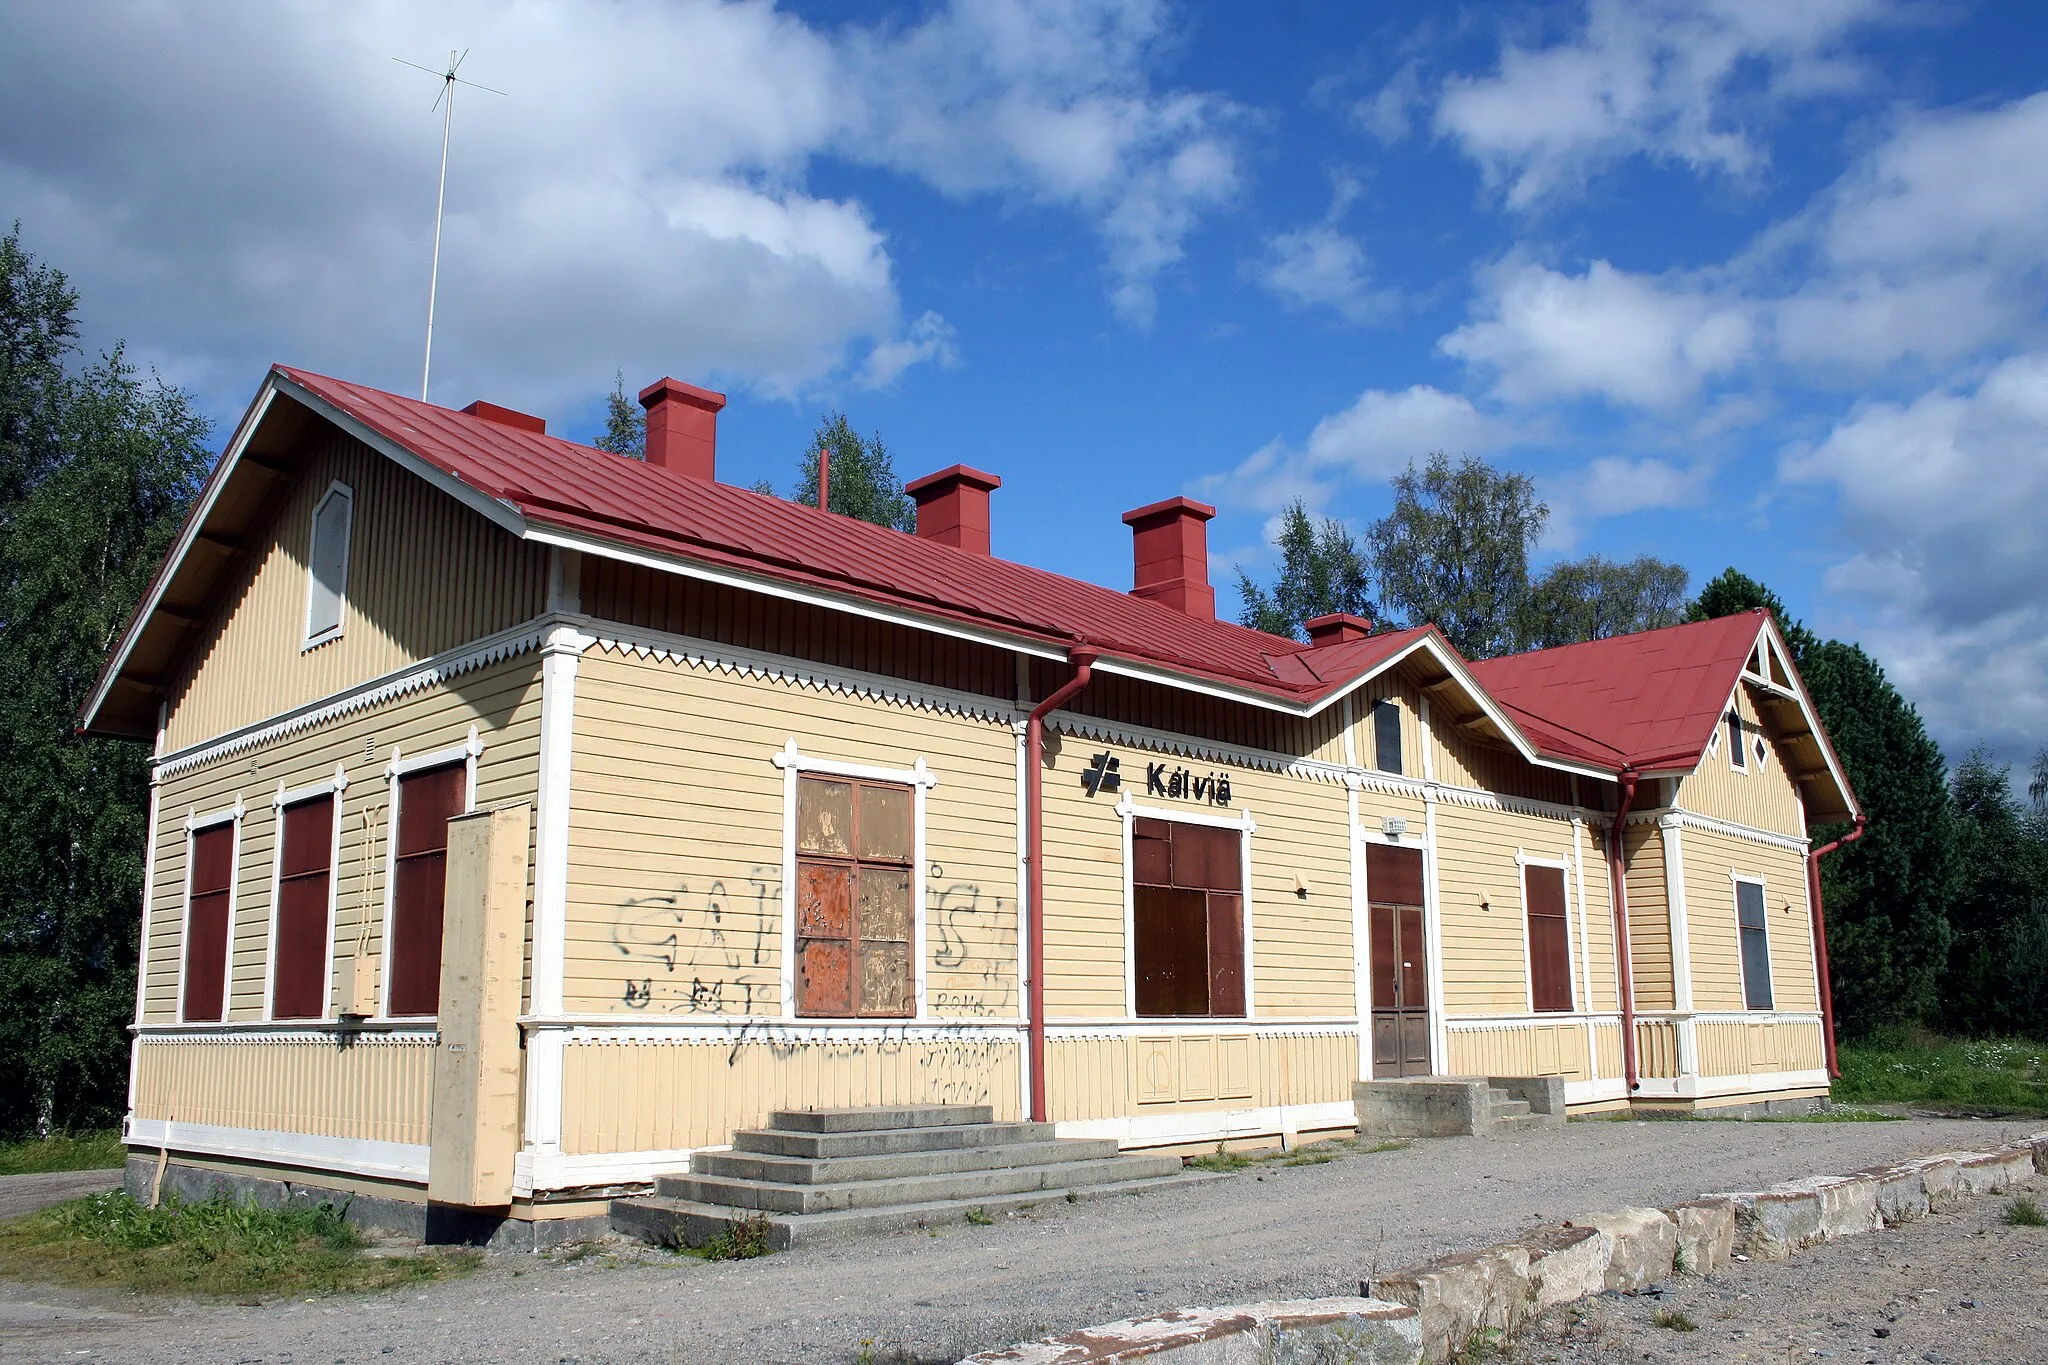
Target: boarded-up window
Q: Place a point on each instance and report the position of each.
(1386, 735)
(1756, 945)
(419, 884)
(855, 842)
(327, 564)
(1550, 953)
(298, 959)
(1187, 918)
(207, 926)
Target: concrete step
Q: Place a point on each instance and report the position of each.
(870, 1119)
(1520, 1121)
(681, 1222)
(1509, 1109)
(882, 1142)
(869, 1194)
(796, 1170)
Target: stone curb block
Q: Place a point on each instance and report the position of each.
(1994, 1172)
(1901, 1192)
(1706, 1234)
(1771, 1224)
(1296, 1332)
(2039, 1142)
(1848, 1204)
(1641, 1245)
(1457, 1297)
(1565, 1263)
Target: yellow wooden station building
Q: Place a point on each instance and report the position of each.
(525, 818)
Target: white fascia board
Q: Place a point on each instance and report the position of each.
(1768, 630)
(496, 510)
(772, 587)
(231, 455)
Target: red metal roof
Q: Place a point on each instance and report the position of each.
(1652, 699)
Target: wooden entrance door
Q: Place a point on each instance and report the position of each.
(1400, 971)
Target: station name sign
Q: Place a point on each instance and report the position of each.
(1104, 773)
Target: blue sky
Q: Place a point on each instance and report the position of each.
(1740, 282)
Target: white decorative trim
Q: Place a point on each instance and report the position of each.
(920, 779)
(1585, 936)
(732, 1031)
(1595, 1091)
(194, 824)
(356, 1156)
(561, 655)
(1480, 799)
(1189, 1027)
(663, 647)
(1690, 819)
(1361, 910)
(535, 1172)
(1709, 1087)
(1212, 1125)
(1508, 1023)
(1082, 726)
(1433, 927)
(1127, 811)
(314, 639)
(491, 649)
(236, 1031)
(331, 788)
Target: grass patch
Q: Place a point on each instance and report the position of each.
(1222, 1159)
(96, 1150)
(1313, 1154)
(1992, 1075)
(2023, 1212)
(979, 1217)
(220, 1248)
(742, 1239)
(1841, 1113)
(1672, 1320)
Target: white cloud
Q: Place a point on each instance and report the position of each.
(1676, 80)
(241, 184)
(1373, 439)
(930, 338)
(1942, 500)
(1614, 485)
(1606, 333)
(1321, 267)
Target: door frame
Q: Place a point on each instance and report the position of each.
(1424, 845)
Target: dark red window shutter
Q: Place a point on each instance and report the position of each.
(1393, 876)
(212, 852)
(1187, 919)
(298, 987)
(426, 802)
(1550, 957)
(855, 925)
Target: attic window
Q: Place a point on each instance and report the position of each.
(1737, 759)
(1386, 735)
(327, 564)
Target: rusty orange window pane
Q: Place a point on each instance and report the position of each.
(855, 926)
(824, 816)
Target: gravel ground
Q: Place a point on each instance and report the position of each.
(1961, 1288)
(21, 1194)
(1270, 1232)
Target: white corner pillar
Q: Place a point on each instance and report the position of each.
(562, 650)
(1681, 950)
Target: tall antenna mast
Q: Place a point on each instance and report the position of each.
(449, 80)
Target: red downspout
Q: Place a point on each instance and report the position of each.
(1820, 940)
(1034, 849)
(1618, 872)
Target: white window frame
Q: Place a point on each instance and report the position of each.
(1523, 862)
(282, 801)
(1130, 812)
(920, 778)
(194, 823)
(1735, 880)
(465, 753)
(313, 640)
(1432, 930)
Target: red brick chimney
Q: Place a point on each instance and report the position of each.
(952, 506)
(1170, 555)
(507, 417)
(1338, 628)
(682, 428)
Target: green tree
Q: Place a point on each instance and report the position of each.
(1322, 570)
(1889, 894)
(100, 469)
(1595, 597)
(625, 425)
(864, 482)
(1997, 972)
(1455, 551)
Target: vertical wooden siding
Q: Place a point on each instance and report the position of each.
(1479, 898)
(1710, 859)
(643, 1094)
(371, 1087)
(675, 876)
(1765, 797)
(668, 602)
(1188, 1071)
(1649, 919)
(502, 701)
(425, 574)
(1520, 1050)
